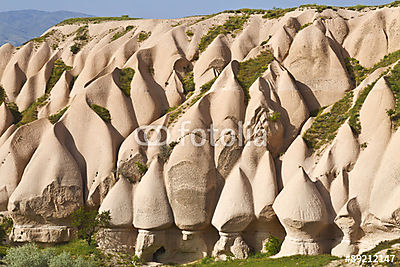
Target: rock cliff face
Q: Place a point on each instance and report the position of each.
(207, 135)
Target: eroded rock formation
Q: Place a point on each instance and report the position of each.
(269, 130)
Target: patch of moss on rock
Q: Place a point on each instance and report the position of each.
(125, 80)
(233, 25)
(54, 118)
(250, 70)
(103, 113)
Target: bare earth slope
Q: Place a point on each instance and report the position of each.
(320, 87)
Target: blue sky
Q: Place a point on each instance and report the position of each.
(162, 8)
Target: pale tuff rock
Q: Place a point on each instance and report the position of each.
(191, 184)
(234, 210)
(7, 118)
(59, 96)
(328, 79)
(212, 61)
(174, 90)
(220, 193)
(348, 220)
(302, 211)
(59, 191)
(151, 207)
(230, 245)
(16, 153)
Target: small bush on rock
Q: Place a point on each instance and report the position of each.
(88, 222)
(28, 255)
(273, 246)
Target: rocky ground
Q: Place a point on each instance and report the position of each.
(297, 112)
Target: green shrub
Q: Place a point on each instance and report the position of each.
(233, 25)
(272, 246)
(274, 117)
(151, 70)
(188, 82)
(166, 151)
(142, 168)
(88, 222)
(66, 260)
(6, 226)
(29, 255)
(125, 80)
(304, 26)
(2, 95)
(75, 48)
(58, 69)
(42, 38)
(394, 82)
(176, 112)
(363, 145)
(143, 36)
(94, 20)
(354, 121)
(102, 112)
(207, 260)
(14, 111)
(252, 69)
(189, 33)
(54, 118)
(277, 13)
(81, 39)
(326, 125)
(319, 8)
(30, 114)
(119, 34)
(357, 72)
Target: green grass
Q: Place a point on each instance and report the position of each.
(252, 69)
(263, 261)
(247, 11)
(381, 246)
(189, 33)
(357, 72)
(188, 82)
(394, 82)
(42, 38)
(125, 80)
(142, 168)
(3, 95)
(81, 39)
(274, 117)
(176, 112)
(58, 69)
(14, 111)
(304, 26)
(386, 61)
(277, 13)
(166, 151)
(319, 8)
(325, 126)
(93, 20)
(354, 120)
(119, 34)
(103, 113)
(54, 118)
(143, 36)
(30, 114)
(233, 25)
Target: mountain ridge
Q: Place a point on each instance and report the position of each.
(279, 123)
(17, 27)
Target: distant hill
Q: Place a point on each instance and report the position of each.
(17, 27)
